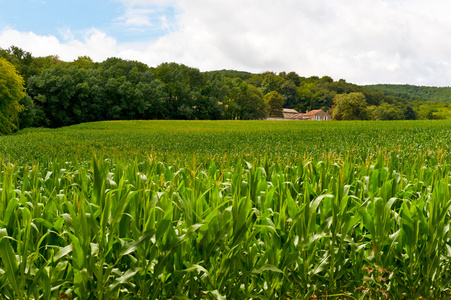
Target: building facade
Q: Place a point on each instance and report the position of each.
(289, 113)
(314, 115)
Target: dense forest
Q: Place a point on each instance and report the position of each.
(62, 93)
(428, 102)
(413, 92)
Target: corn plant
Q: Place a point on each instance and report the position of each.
(358, 221)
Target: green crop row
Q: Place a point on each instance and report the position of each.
(291, 210)
(181, 140)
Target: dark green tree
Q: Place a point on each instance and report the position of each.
(209, 102)
(293, 77)
(66, 95)
(409, 113)
(149, 97)
(29, 114)
(245, 102)
(288, 91)
(180, 96)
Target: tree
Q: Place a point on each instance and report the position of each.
(386, 111)
(183, 88)
(84, 62)
(431, 115)
(271, 82)
(275, 102)
(11, 92)
(29, 113)
(306, 93)
(245, 102)
(294, 77)
(409, 113)
(66, 95)
(253, 105)
(209, 102)
(350, 106)
(288, 91)
(20, 59)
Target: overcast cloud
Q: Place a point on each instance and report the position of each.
(362, 41)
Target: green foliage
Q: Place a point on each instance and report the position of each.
(350, 106)
(413, 92)
(244, 101)
(385, 111)
(251, 102)
(187, 210)
(26, 64)
(271, 83)
(432, 110)
(11, 92)
(84, 62)
(118, 89)
(65, 94)
(289, 92)
(125, 90)
(409, 113)
(275, 102)
(29, 114)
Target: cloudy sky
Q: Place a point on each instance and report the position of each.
(361, 41)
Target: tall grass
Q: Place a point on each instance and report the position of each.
(353, 222)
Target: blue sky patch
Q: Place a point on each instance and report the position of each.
(58, 17)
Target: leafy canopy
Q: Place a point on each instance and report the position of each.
(275, 102)
(11, 92)
(350, 106)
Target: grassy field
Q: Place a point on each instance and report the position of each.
(237, 210)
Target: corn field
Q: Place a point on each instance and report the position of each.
(227, 210)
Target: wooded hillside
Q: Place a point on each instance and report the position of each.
(62, 93)
(413, 92)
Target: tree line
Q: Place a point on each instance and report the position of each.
(58, 93)
(414, 92)
(429, 102)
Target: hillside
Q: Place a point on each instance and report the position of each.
(413, 92)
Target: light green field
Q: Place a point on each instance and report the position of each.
(172, 140)
(237, 210)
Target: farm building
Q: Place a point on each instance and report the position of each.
(289, 113)
(314, 115)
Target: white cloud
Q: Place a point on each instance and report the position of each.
(145, 16)
(362, 41)
(93, 43)
(135, 17)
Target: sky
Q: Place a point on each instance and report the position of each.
(361, 41)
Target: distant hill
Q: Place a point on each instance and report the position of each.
(413, 92)
(232, 73)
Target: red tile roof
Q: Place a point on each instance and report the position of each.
(313, 112)
(299, 116)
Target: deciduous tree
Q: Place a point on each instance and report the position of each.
(66, 96)
(288, 91)
(245, 102)
(11, 92)
(271, 82)
(350, 106)
(386, 111)
(275, 102)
